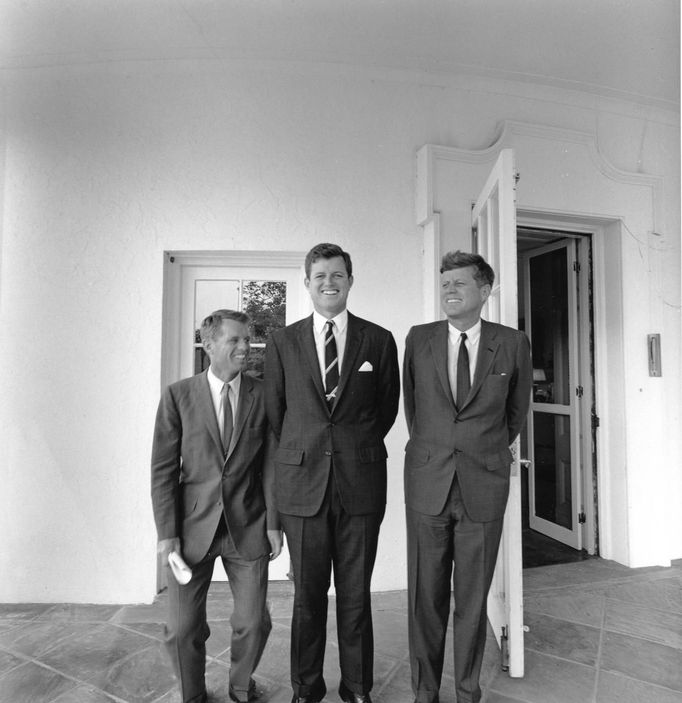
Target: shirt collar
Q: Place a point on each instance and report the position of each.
(319, 321)
(473, 333)
(216, 384)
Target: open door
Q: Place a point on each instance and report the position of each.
(554, 424)
(494, 232)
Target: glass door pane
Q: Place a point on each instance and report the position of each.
(549, 324)
(552, 490)
(553, 431)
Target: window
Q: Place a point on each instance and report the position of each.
(264, 301)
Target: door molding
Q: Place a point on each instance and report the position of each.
(606, 393)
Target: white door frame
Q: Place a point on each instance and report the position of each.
(590, 284)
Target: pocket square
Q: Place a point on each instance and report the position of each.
(366, 367)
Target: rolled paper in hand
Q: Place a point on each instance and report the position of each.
(180, 570)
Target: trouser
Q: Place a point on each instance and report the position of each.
(434, 544)
(349, 543)
(187, 629)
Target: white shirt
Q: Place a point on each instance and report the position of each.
(473, 338)
(340, 330)
(216, 386)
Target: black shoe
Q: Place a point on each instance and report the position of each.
(349, 697)
(251, 694)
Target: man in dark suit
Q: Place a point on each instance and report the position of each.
(466, 386)
(213, 496)
(332, 389)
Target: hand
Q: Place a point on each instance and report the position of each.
(166, 546)
(275, 539)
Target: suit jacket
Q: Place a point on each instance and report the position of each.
(193, 484)
(352, 432)
(475, 440)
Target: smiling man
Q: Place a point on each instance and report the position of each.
(466, 385)
(212, 493)
(332, 389)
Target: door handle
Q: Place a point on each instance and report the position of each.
(527, 463)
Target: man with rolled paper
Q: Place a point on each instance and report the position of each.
(213, 496)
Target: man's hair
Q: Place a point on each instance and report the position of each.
(327, 251)
(483, 272)
(211, 325)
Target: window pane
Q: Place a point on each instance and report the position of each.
(265, 303)
(210, 295)
(553, 496)
(549, 327)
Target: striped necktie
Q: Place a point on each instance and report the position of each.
(331, 365)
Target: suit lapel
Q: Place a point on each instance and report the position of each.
(306, 340)
(243, 409)
(353, 341)
(205, 409)
(439, 349)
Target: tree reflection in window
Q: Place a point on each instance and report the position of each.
(265, 303)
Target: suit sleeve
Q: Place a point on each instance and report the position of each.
(166, 465)
(275, 398)
(518, 399)
(408, 381)
(389, 385)
(272, 514)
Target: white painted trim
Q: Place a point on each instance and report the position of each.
(239, 258)
(430, 268)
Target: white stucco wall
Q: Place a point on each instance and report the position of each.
(107, 166)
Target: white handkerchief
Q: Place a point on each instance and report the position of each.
(366, 367)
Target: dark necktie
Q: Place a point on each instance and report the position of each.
(331, 365)
(463, 378)
(227, 417)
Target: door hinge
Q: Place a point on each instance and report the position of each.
(504, 649)
(579, 391)
(576, 266)
(595, 421)
(517, 177)
(582, 518)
